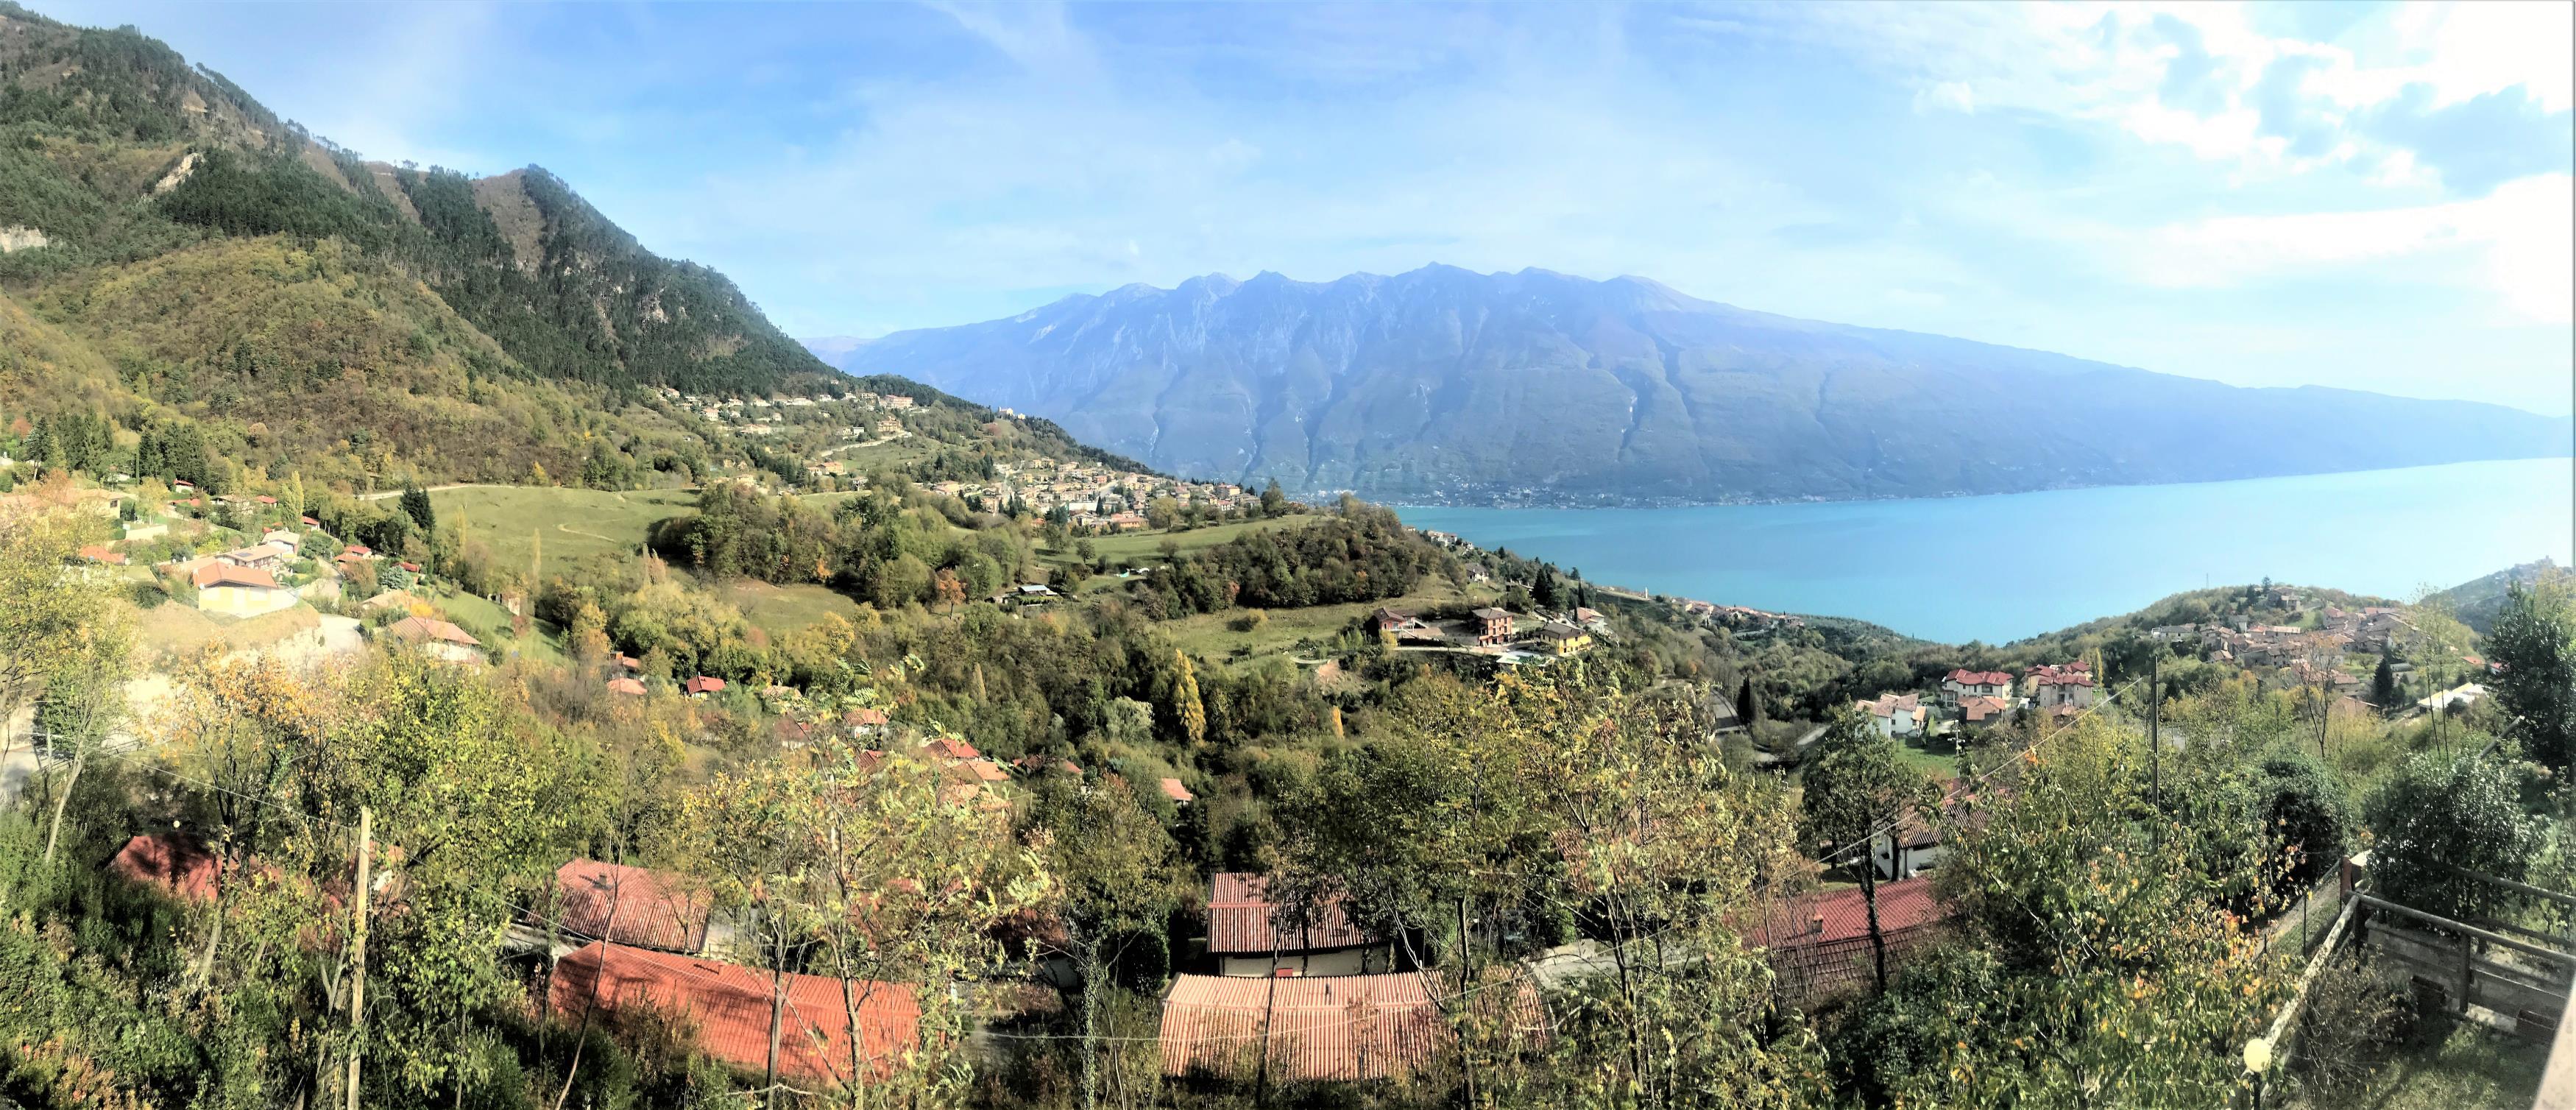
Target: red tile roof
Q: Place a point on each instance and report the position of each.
(1243, 921)
(729, 1005)
(1173, 789)
(705, 685)
(175, 863)
(625, 686)
(950, 748)
(1331, 1027)
(1978, 709)
(101, 553)
(1966, 677)
(422, 629)
(1819, 942)
(631, 905)
(863, 717)
(213, 575)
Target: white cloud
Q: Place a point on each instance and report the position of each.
(2519, 237)
(1953, 96)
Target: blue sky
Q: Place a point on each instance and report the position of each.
(2374, 196)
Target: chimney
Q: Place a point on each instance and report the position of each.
(1816, 924)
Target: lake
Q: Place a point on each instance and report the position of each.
(2004, 567)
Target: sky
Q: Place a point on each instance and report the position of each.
(2375, 196)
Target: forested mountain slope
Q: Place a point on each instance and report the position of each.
(1446, 385)
(185, 254)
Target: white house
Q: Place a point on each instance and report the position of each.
(1894, 714)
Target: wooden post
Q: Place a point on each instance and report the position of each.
(2467, 951)
(358, 952)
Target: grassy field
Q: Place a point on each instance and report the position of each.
(569, 523)
(490, 623)
(1933, 758)
(176, 628)
(1147, 547)
(1210, 635)
(781, 609)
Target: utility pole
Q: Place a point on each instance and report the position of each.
(2155, 745)
(358, 953)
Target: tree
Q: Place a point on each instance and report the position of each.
(415, 504)
(1162, 512)
(2383, 683)
(84, 701)
(1545, 592)
(2534, 640)
(949, 589)
(1858, 788)
(45, 618)
(1748, 704)
(1188, 710)
(1119, 874)
(2443, 814)
(1273, 502)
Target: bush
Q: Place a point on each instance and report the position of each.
(1249, 621)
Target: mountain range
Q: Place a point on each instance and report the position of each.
(1446, 386)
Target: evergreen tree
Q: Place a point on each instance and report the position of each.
(1273, 502)
(2383, 682)
(1748, 705)
(415, 504)
(1545, 591)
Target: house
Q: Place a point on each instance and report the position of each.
(629, 686)
(1393, 620)
(1902, 854)
(1591, 618)
(1964, 683)
(1339, 1027)
(701, 686)
(1982, 710)
(360, 550)
(1040, 764)
(1563, 639)
(950, 750)
(632, 906)
(859, 720)
(398, 600)
(1493, 626)
(1894, 714)
(261, 557)
(2053, 685)
(239, 591)
(1818, 943)
(628, 662)
(101, 553)
(1249, 935)
(1179, 794)
(2460, 696)
(728, 1008)
(281, 539)
(437, 639)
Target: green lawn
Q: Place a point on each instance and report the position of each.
(1210, 635)
(490, 623)
(567, 523)
(782, 609)
(1934, 759)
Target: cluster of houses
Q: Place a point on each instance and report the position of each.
(1983, 698)
(1494, 631)
(1740, 618)
(1094, 496)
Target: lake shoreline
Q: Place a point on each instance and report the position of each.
(2002, 567)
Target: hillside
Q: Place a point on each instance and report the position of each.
(2476, 602)
(1446, 386)
(172, 250)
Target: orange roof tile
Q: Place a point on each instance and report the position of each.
(1243, 921)
(631, 905)
(729, 1005)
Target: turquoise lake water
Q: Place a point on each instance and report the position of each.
(2004, 567)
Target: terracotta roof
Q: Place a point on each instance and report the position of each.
(1980, 708)
(101, 553)
(212, 575)
(1332, 1027)
(702, 684)
(1966, 677)
(629, 662)
(862, 716)
(1890, 705)
(630, 905)
(729, 1005)
(1492, 614)
(1173, 789)
(625, 686)
(1243, 921)
(1903, 904)
(175, 863)
(424, 629)
(951, 748)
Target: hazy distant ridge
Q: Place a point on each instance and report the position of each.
(1446, 385)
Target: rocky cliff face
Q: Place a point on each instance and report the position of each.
(1446, 385)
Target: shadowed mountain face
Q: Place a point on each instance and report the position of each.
(1447, 385)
